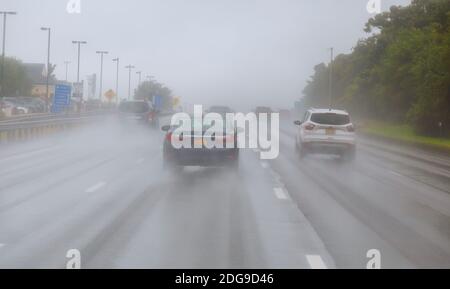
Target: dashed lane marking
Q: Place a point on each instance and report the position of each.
(280, 193)
(396, 174)
(95, 187)
(315, 262)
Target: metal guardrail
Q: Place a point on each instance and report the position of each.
(36, 126)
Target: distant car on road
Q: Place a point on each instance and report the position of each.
(326, 131)
(202, 156)
(7, 108)
(93, 104)
(18, 106)
(135, 112)
(263, 109)
(285, 114)
(220, 109)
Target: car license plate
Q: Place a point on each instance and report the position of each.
(330, 131)
(198, 142)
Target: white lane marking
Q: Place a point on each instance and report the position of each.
(316, 262)
(264, 165)
(95, 187)
(30, 153)
(280, 194)
(396, 174)
(140, 161)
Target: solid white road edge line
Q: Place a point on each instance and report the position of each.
(315, 262)
(95, 187)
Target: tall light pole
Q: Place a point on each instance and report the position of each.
(47, 96)
(4, 13)
(117, 60)
(66, 63)
(79, 46)
(331, 77)
(79, 94)
(140, 74)
(129, 67)
(101, 72)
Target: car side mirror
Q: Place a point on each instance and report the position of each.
(165, 127)
(297, 122)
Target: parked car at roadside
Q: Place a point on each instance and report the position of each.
(7, 108)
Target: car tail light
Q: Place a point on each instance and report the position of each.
(309, 126)
(351, 128)
(169, 137)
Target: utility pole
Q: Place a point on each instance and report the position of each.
(79, 46)
(47, 96)
(4, 13)
(331, 77)
(101, 72)
(66, 63)
(129, 67)
(117, 60)
(140, 74)
(79, 94)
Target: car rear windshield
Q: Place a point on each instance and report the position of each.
(263, 109)
(219, 109)
(330, 118)
(134, 107)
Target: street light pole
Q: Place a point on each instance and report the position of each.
(117, 60)
(79, 94)
(101, 71)
(4, 13)
(139, 73)
(79, 46)
(129, 67)
(67, 67)
(331, 77)
(47, 96)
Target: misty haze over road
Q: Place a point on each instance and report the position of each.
(208, 52)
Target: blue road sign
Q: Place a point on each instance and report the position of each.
(157, 102)
(61, 99)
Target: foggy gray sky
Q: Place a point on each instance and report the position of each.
(238, 52)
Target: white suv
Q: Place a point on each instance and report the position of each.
(326, 131)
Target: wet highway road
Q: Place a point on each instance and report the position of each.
(103, 191)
